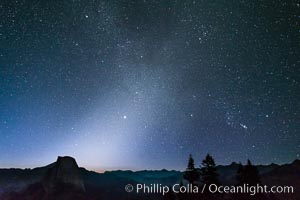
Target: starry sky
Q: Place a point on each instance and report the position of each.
(141, 84)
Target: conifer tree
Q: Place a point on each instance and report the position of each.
(251, 174)
(191, 174)
(208, 171)
(240, 175)
(248, 174)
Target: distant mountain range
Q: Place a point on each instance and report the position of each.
(64, 180)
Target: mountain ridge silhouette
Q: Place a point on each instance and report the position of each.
(30, 183)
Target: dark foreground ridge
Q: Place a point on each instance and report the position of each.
(64, 180)
(64, 172)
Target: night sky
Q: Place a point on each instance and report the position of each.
(142, 84)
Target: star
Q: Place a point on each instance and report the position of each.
(243, 126)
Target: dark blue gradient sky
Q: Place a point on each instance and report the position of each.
(142, 84)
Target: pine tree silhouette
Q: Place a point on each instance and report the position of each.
(191, 174)
(247, 174)
(240, 178)
(251, 174)
(208, 171)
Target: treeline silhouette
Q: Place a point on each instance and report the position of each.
(207, 174)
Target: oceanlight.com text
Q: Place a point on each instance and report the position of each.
(211, 188)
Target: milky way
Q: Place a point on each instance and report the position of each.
(142, 84)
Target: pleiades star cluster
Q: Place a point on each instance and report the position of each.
(142, 84)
